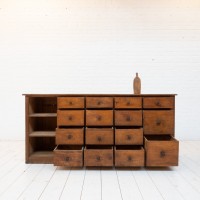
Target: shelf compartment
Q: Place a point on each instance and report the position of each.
(42, 134)
(41, 157)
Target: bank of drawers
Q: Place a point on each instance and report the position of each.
(115, 131)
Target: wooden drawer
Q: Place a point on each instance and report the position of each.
(99, 102)
(70, 117)
(128, 102)
(161, 150)
(129, 136)
(158, 122)
(98, 156)
(129, 156)
(71, 156)
(70, 136)
(99, 117)
(128, 118)
(99, 136)
(158, 102)
(70, 102)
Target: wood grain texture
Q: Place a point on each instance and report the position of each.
(99, 117)
(70, 118)
(71, 156)
(98, 156)
(129, 136)
(128, 102)
(99, 102)
(158, 122)
(70, 102)
(129, 156)
(70, 136)
(99, 136)
(128, 118)
(161, 151)
(158, 102)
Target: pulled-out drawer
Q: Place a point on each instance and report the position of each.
(132, 136)
(99, 136)
(70, 102)
(71, 156)
(158, 102)
(70, 136)
(99, 102)
(98, 156)
(127, 156)
(161, 150)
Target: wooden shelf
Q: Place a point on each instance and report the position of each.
(43, 115)
(41, 157)
(42, 134)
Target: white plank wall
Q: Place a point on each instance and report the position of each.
(44, 181)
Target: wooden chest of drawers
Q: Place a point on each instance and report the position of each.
(101, 130)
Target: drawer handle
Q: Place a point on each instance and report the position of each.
(99, 103)
(158, 103)
(158, 122)
(69, 137)
(99, 139)
(70, 103)
(98, 158)
(128, 118)
(128, 103)
(67, 159)
(129, 158)
(99, 118)
(162, 154)
(70, 118)
(128, 137)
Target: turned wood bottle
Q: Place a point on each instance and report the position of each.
(137, 85)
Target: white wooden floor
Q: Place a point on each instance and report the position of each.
(38, 181)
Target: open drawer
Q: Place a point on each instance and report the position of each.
(98, 156)
(161, 150)
(71, 156)
(129, 156)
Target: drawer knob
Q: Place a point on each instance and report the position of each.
(129, 158)
(67, 159)
(70, 103)
(158, 103)
(99, 103)
(128, 118)
(69, 137)
(158, 122)
(99, 118)
(128, 137)
(70, 118)
(128, 103)
(99, 139)
(98, 158)
(162, 154)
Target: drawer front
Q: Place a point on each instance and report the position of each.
(70, 102)
(70, 117)
(129, 158)
(128, 102)
(99, 136)
(70, 158)
(99, 117)
(158, 102)
(129, 136)
(103, 157)
(128, 118)
(162, 153)
(69, 136)
(158, 122)
(99, 102)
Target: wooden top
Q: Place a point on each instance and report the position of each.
(97, 95)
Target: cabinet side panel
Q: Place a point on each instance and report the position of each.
(26, 129)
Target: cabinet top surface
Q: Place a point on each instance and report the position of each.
(97, 95)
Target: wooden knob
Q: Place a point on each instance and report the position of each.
(129, 158)
(158, 122)
(128, 137)
(128, 118)
(162, 154)
(158, 103)
(67, 159)
(69, 137)
(98, 158)
(99, 103)
(128, 103)
(99, 118)
(99, 139)
(70, 103)
(70, 118)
